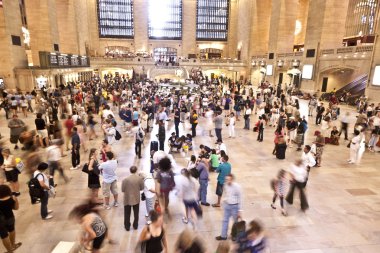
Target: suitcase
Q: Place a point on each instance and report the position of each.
(153, 146)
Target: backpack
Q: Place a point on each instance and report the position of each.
(35, 189)
(117, 135)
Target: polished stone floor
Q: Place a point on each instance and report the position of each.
(344, 214)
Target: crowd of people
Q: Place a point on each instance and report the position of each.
(69, 117)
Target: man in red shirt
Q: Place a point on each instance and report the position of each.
(69, 124)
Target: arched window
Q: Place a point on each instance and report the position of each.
(361, 18)
(212, 20)
(165, 19)
(115, 18)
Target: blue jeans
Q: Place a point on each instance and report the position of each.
(247, 123)
(218, 133)
(203, 190)
(229, 211)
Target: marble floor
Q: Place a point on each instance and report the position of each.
(344, 214)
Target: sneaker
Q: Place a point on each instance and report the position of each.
(148, 222)
(273, 207)
(107, 207)
(48, 217)
(219, 238)
(205, 204)
(50, 211)
(184, 220)
(115, 204)
(78, 166)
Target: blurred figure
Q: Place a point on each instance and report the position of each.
(232, 204)
(17, 126)
(165, 183)
(223, 247)
(280, 187)
(94, 229)
(319, 144)
(254, 240)
(154, 235)
(299, 174)
(357, 147)
(188, 242)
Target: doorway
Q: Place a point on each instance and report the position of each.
(324, 84)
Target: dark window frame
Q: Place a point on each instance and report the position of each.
(210, 30)
(128, 28)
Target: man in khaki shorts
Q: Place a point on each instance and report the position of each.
(108, 170)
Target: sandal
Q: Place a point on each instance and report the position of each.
(17, 245)
(215, 205)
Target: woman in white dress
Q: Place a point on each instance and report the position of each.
(209, 123)
(357, 147)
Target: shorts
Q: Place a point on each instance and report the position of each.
(12, 175)
(7, 227)
(14, 139)
(219, 189)
(42, 133)
(190, 204)
(98, 241)
(109, 187)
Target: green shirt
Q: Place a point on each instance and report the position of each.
(214, 161)
(224, 169)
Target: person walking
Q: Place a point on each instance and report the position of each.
(43, 178)
(357, 147)
(299, 174)
(209, 121)
(94, 229)
(218, 121)
(279, 186)
(231, 125)
(320, 110)
(139, 140)
(131, 187)
(189, 192)
(75, 150)
(161, 134)
(69, 124)
(177, 120)
(344, 125)
(261, 127)
(232, 205)
(108, 170)
(153, 236)
(223, 169)
(53, 158)
(165, 183)
(319, 144)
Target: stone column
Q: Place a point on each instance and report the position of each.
(373, 91)
(189, 29)
(43, 27)
(67, 28)
(140, 15)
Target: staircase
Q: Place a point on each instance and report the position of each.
(356, 88)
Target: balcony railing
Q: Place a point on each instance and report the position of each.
(347, 50)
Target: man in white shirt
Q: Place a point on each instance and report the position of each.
(232, 204)
(106, 112)
(53, 158)
(110, 132)
(150, 194)
(299, 174)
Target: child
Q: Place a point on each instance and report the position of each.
(279, 186)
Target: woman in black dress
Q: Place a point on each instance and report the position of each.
(93, 174)
(8, 203)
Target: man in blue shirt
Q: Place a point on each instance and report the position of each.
(75, 150)
(224, 169)
(202, 167)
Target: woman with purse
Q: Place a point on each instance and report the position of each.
(153, 237)
(93, 175)
(11, 173)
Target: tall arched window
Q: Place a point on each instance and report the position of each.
(115, 18)
(361, 17)
(212, 20)
(165, 19)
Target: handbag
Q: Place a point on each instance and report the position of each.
(85, 168)
(237, 229)
(51, 192)
(143, 197)
(157, 206)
